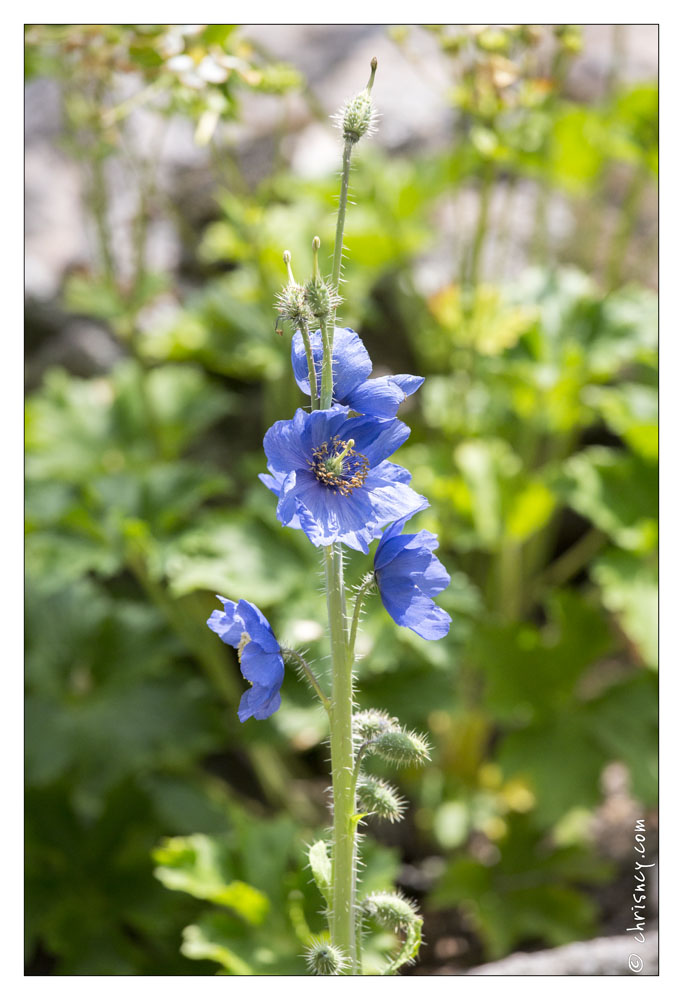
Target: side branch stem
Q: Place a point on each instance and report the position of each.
(291, 654)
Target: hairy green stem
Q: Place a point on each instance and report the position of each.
(343, 916)
(343, 911)
(328, 332)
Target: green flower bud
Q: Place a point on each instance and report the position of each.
(321, 298)
(324, 959)
(390, 910)
(378, 797)
(401, 748)
(371, 723)
(357, 117)
(291, 303)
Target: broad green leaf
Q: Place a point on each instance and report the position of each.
(629, 589)
(617, 492)
(197, 865)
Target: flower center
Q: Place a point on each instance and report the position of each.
(336, 465)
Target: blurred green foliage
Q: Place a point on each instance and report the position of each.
(535, 436)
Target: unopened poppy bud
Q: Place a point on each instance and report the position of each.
(390, 910)
(371, 723)
(378, 797)
(325, 959)
(291, 303)
(321, 297)
(402, 748)
(357, 117)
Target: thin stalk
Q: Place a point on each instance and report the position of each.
(312, 376)
(364, 589)
(328, 332)
(291, 654)
(343, 916)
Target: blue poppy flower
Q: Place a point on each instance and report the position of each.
(351, 367)
(331, 475)
(408, 576)
(243, 626)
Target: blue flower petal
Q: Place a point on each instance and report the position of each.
(351, 368)
(245, 627)
(376, 439)
(259, 702)
(381, 397)
(408, 576)
(351, 363)
(283, 444)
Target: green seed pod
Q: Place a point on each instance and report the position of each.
(371, 723)
(324, 959)
(378, 797)
(402, 748)
(390, 910)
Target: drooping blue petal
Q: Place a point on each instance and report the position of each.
(243, 626)
(408, 576)
(259, 702)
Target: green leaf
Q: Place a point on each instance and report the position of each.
(617, 492)
(321, 866)
(629, 587)
(197, 865)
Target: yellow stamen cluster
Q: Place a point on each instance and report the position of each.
(338, 466)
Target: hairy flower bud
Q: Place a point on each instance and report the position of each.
(321, 298)
(357, 117)
(324, 959)
(401, 748)
(371, 723)
(390, 910)
(378, 797)
(291, 303)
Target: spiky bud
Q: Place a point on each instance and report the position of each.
(402, 748)
(357, 117)
(321, 298)
(372, 722)
(325, 959)
(379, 797)
(291, 303)
(390, 910)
